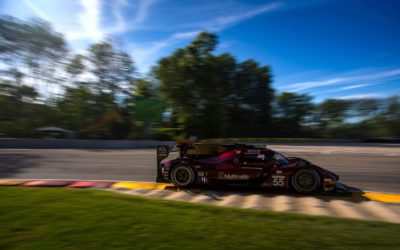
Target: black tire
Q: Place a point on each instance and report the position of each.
(183, 176)
(306, 181)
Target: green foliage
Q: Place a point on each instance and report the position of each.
(20, 114)
(79, 108)
(75, 67)
(144, 89)
(170, 134)
(148, 109)
(113, 69)
(333, 112)
(209, 95)
(31, 49)
(292, 112)
(50, 218)
(214, 95)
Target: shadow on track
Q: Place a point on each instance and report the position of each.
(12, 164)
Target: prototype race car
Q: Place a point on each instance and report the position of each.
(197, 163)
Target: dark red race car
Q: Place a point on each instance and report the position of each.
(197, 163)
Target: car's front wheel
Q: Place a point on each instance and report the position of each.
(182, 176)
(306, 181)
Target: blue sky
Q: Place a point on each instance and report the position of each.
(329, 49)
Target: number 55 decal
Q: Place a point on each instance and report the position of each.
(278, 180)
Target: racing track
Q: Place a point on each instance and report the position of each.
(367, 168)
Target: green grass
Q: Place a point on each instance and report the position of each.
(47, 218)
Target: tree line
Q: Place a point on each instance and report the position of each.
(192, 92)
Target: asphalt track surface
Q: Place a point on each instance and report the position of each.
(366, 168)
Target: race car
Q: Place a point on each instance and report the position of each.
(213, 164)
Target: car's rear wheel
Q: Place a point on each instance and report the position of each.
(306, 181)
(182, 176)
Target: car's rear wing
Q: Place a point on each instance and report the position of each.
(162, 153)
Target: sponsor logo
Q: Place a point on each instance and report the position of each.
(162, 151)
(222, 175)
(203, 180)
(278, 180)
(192, 150)
(261, 157)
(252, 151)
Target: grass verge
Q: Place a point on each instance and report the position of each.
(47, 218)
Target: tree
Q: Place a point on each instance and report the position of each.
(79, 108)
(114, 70)
(75, 66)
(390, 117)
(292, 111)
(144, 89)
(20, 115)
(31, 49)
(332, 112)
(214, 95)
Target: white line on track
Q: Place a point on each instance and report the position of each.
(391, 154)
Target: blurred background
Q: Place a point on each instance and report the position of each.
(229, 69)
(96, 85)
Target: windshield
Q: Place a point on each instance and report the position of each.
(280, 159)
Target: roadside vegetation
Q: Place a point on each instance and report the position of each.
(98, 94)
(47, 218)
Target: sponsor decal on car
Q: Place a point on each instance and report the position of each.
(278, 180)
(252, 152)
(162, 151)
(203, 180)
(222, 175)
(261, 156)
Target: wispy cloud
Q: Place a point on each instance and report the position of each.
(90, 18)
(375, 76)
(36, 10)
(355, 86)
(143, 11)
(226, 21)
(73, 30)
(361, 96)
(349, 87)
(122, 24)
(94, 20)
(145, 55)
